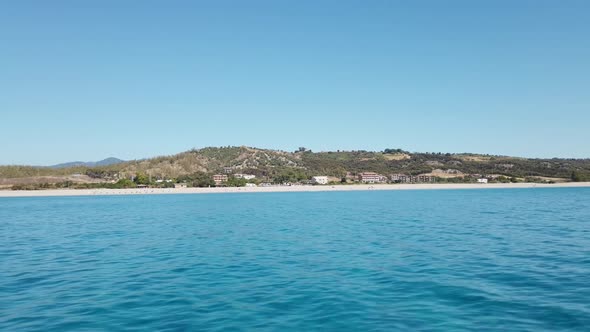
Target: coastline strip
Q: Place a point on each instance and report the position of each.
(323, 188)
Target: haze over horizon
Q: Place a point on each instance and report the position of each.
(85, 81)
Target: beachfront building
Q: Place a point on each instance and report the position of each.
(370, 177)
(424, 178)
(400, 178)
(350, 177)
(244, 176)
(219, 179)
(403, 178)
(482, 180)
(180, 185)
(319, 180)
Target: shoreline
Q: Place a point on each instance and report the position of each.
(320, 188)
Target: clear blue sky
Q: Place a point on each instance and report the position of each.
(84, 80)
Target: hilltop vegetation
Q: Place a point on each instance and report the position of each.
(214, 160)
(280, 166)
(18, 171)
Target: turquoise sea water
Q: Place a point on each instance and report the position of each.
(446, 260)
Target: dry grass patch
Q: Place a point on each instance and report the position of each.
(397, 156)
(474, 158)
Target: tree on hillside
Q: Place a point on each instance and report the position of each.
(141, 178)
(393, 151)
(197, 179)
(235, 182)
(578, 177)
(124, 183)
(290, 175)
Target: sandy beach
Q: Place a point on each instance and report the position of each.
(366, 187)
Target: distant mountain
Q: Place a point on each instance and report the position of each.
(104, 162)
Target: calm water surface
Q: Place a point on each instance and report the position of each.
(505, 260)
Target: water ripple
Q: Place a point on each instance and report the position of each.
(509, 260)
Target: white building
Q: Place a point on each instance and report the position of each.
(219, 178)
(319, 180)
(245, 176)
(251, 185)
(482, 180)
(370, 177)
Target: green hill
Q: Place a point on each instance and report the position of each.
(281, 166)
